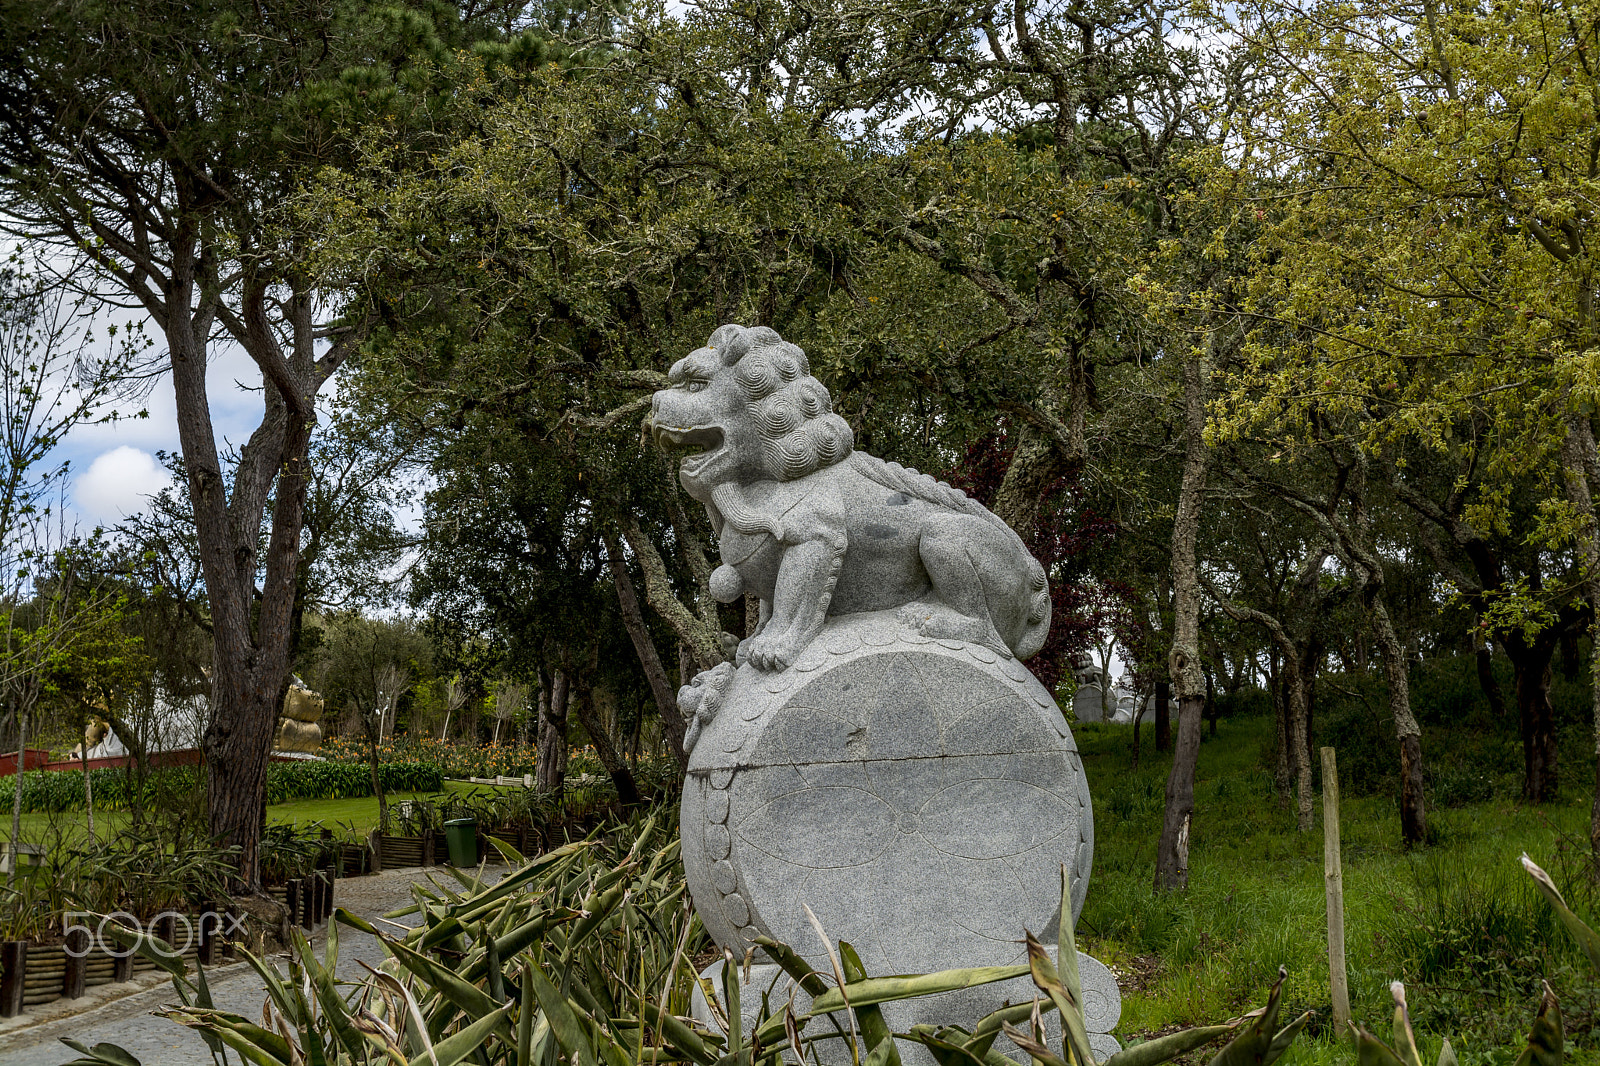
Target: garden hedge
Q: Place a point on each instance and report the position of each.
(114, 788)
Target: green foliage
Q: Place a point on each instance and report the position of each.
(142, 870)
(114, 789)
(584, 956)
(1256, 897)
(329, 780)
(1473, 939)
(117, 789)
(289, 851)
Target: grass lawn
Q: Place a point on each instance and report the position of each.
(360, 814)
(1458, 921)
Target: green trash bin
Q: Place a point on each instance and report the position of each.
(461, 837)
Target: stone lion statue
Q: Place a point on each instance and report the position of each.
(814, 528)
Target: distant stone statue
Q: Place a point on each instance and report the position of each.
(876, 752)
(815, 528)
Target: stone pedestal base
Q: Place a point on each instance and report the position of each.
(1101, 999)
(921, 797)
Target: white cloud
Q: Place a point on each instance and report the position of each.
(117, 484)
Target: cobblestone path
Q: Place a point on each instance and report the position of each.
(156, 1041)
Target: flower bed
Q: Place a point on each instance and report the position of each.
(453, 758)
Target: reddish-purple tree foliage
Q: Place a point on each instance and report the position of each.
(1066, 529)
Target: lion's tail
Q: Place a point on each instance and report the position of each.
(940, 494)
(1037, 627)
(924, 488)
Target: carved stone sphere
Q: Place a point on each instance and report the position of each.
(919, 795)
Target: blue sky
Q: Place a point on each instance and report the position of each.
(114, 468)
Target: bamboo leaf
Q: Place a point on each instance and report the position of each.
(948, 1051)
(1405, 1041)
(1041, 1054)
(468, 998)
(869, 1016)
(1586, 937)
(793, 965)
(1545, 1039)
(1259, 1045)
(888, 989)
(1370, 1051)
(457, 1046)
(1166, 1048)
(564, 1023)
(1068, 1003)
(100, 1055)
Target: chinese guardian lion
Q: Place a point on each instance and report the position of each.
(815, 528)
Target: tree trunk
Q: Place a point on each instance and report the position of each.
(235, 751)
(1036, 464)
(1211, 705)
(1536, 720)
(553, 737)
(1183, 663)
(600, 737)
(655, 673)
(1413, 810)
(1312, 656)
(16, 796)
(1484, 653)
(1280, 721)
(1579, 462)
(703, 640)
(88, 784)
(377, 788)
(1300, 742)
(1163, 715)
(1138, 719)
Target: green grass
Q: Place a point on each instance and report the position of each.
(361, 814)
(1457, 921)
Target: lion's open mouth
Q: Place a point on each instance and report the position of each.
(693, 445)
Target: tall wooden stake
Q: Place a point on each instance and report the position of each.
(1338, 981)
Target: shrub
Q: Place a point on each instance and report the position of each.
(115, 789)
(305, 780)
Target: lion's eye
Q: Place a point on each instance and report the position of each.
(693, 385)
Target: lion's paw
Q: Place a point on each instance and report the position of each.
(773, 654)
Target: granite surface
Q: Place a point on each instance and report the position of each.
(919, 795)
(815, 529)
(876, 752)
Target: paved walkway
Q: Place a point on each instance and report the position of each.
(127, 1021)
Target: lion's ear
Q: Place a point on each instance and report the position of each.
(730, 343)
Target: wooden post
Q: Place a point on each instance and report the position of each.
(122, 967)
(14, 962)
(375, 844)
(166, 930)
(1338, 981)
(427, 847)
(291, 903)
(206, 949)
(231, 923)
(77, 954)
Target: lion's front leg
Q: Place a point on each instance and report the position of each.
(800, 601)
(742, 656)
